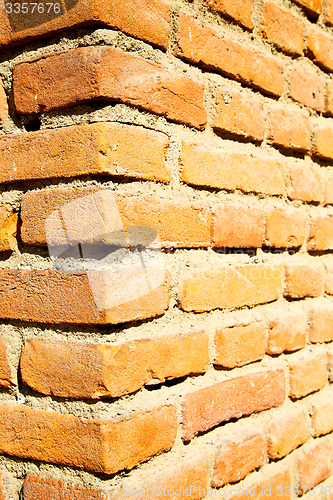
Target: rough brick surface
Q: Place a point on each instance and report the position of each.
(274, 486)
(8, 229)
(328, 180)
(314, 6)
(285, 227)
(307, 88)
(321, 455)
(6, 370)
(287, 332)
(321, 233)
(320, 329)
(307, 373)
(329, 277)
(239, 10)
(304, 182)
(37, 488)
(322, 411)
(304, 280)
(319, 46)
(288, 430)
(289, 127)
(3, 104)
(322, 145)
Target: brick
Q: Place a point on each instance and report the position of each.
(144, 19)
(287, 431)
(102, 446)
(287, 332)
(281, 28)
(202, 45)
(240, 345)
(323, 137)
(321, 233)
(88, 74)
(307, 88)
(240, 11)
(247, 394)
(304, 280)
(6, 372)
(37, 488)
(8, 228)
(320, 329)
(68, 369)
(75, 297)
(177, 224)
(304, 182)
(328, 17)
(289, 127)
(239, 112)
(285, 227)
(307, 373)
(319, 47)
(235, 460)
(100, 148)
(314, 6)
(328, 181)
(229, 287)
(238, 226)
(3, 104)
(274, 487)
(320, 454)
(218, 168)
(322, 411)
(329, 279)
(329, 98)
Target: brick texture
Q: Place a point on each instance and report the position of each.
(314, 6)
(240, 10)
(287, 332)
(323, 416)
(307, 88)
(320, 329)
(289, 128)
(321, 233)
(6, 370)
(285, 227)
(3, 104)
(322, 145)
(319, 46)
(307, 373)
(37, 488)
(8, 228)
(274, 486)
(287, 431)
(304, 182)
(304, 280)
(321, 454)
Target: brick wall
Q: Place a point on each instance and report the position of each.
(208, 124)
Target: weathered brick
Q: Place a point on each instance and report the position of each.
(304, 182)
(289, 127)
(241, 344)
(103, 446)
(322, 411)
(328, 17)
(314, 6)
(100, 148)
(328, 181)
(8, 228)
(90, 73)
(281, 28)
(319, 455)
(321, 233)
(329, 276)
(229, 287)
(254, 392)
(320, 329)
(200, 44)
(287, 332)
(274, 487)
(239, 10)
(329, 98)
(239, 112)
(304, 280)
(3, 103)
(37, 488)
(287, 431)
(307, 373)
(319, 47)
(285, 227)
(238, 225)
(75, 297)
(234, 460)
(6, 371)
(307, 88)
(223, 169)
(323, 138)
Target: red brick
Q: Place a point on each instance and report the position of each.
(200, 44)
(238, 225)
(276, 486)
(304, 280)
(235, 460)
(288, 430)
(239, 10)
(321, 233)
(289, 127)
(285, 227)
(323, 139)
(281, 28)
(322, 411)
(88, 74)
(287, 332)
(254, 392)
(219, 168)
(315, 465)
(304, 182)
(8, 228)
(6, 371)
(319, 47)
(37, 488)
(103, 446)
(67, 297)
(307, 88)
(328, 181)
(100, 148)
(241, 344)
(320, 329)
(314, 6)
(239, 112)
(329, 279)
(307, 373)
(3, 103)
(228, 287)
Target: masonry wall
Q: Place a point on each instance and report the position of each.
(210, 123)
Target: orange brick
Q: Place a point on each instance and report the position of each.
(235, 460)
(330, 363)
(236, 225)
(67, 297)
(285, 227)
(273, 487)
(35, 488)
(281, 28)
(90, 73)
(204, 166)
(100, 148)
(329, 98)
(321, 233)
(8, 228)
(328, 17)
(314, 6)
(322, 145)
(307, 88)
(287, 332)
(288, 430)
(328, 181)
(201, 44)
(239, 10)
(3, 103)
(6, 373)
(289, 127)
(320, 329)
(322, 412)
(229, 287)
(319, 47)
(254, 392)
(319, 455)
(241, 344)
(307, 373)
(304, 182)
(239, 112)
(304, 280)
(102, 446)
(329, 279)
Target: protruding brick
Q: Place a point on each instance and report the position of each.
(307, 373)
(321, 233)
(321, 322)
(287, 332)
(321, 454)
(8, 228)
(241, 344)
(285, 227)
(37, 488)
(322, 411)
(103, 446)
(288, 430)
(289, 127)
(313, 6)
(319, 47)
(274, 487)
(229, 287)
(88, 74)
(304, 182)
(307, 88)
(304, 280)
(323, 139)
(254, 392)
